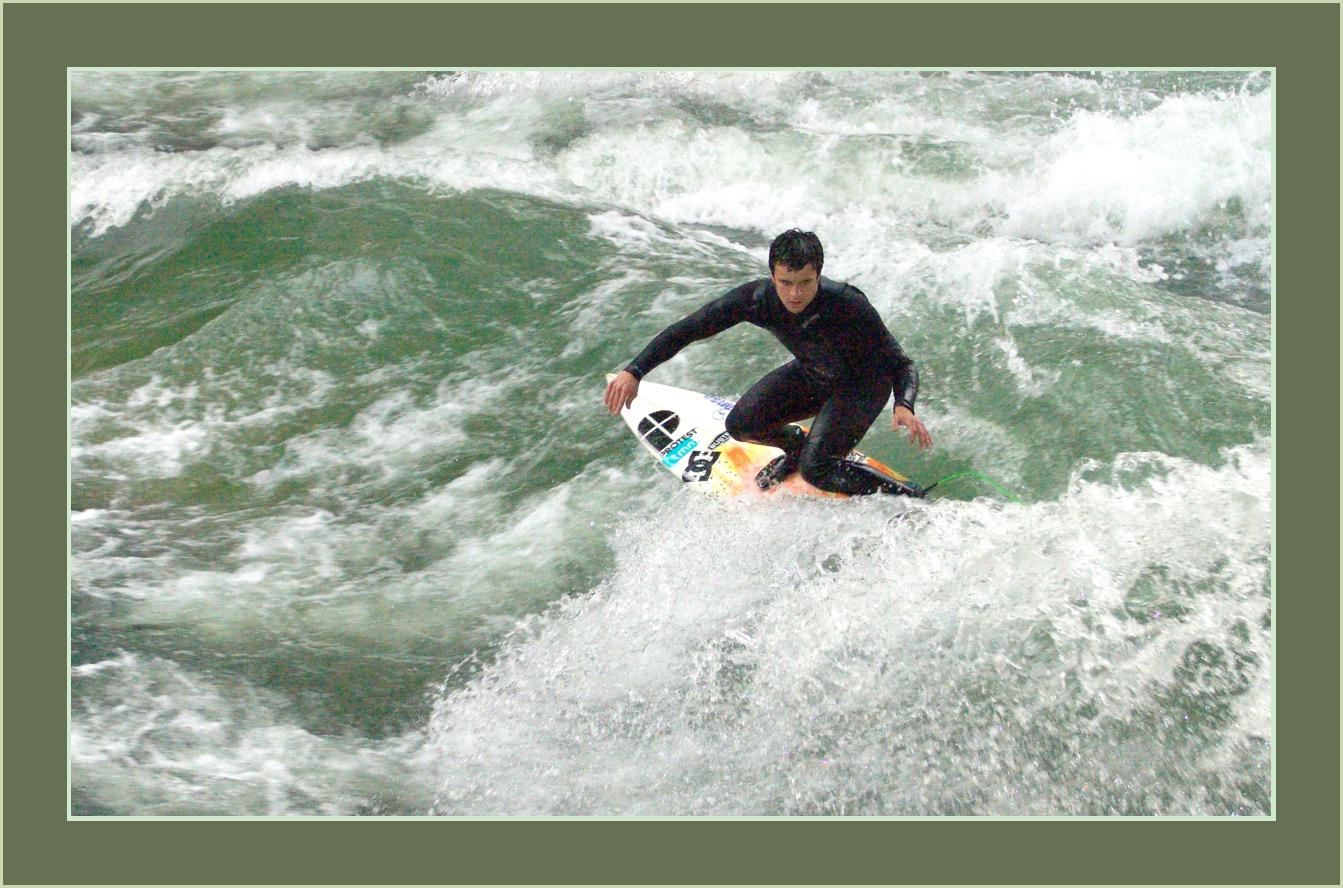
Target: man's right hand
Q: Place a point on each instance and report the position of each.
(621, 392)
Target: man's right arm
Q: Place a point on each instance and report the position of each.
(710, 320)
(724, 312)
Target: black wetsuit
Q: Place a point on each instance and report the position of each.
(847, 364)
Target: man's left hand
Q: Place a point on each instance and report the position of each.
(918, 432)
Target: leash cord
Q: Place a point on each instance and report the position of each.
(995, 485)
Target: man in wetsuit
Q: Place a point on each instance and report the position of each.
(846, 365)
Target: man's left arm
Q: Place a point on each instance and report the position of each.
(906, 387)
(904, 375)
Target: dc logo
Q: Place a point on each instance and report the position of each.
(700, 465)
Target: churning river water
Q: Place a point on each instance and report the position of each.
(352, 533)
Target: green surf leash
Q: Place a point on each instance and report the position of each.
(994, 484)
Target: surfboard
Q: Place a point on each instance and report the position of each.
(684, 432)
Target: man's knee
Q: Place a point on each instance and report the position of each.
(738, 425)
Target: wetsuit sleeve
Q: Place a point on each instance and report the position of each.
(904, 379)
(724, 312)
(875, 350)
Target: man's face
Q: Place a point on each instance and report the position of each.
(796, 288)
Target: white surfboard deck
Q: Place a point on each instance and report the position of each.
(684, 432)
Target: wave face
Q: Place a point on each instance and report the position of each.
(351, 533)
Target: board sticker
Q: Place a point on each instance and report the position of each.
(657, 429)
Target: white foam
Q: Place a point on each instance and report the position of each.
(160, 453)
(790, 149)
(807, 657)
(149, 737)
(1031, 381)
(79, 516)
(1106, 178)
(453, 569)
(109, 189)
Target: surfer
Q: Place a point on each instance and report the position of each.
(846, 365)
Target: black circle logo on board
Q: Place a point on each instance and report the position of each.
(658, 428)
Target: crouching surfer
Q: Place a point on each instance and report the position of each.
(845, 366)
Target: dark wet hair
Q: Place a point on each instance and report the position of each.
(796, 250)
